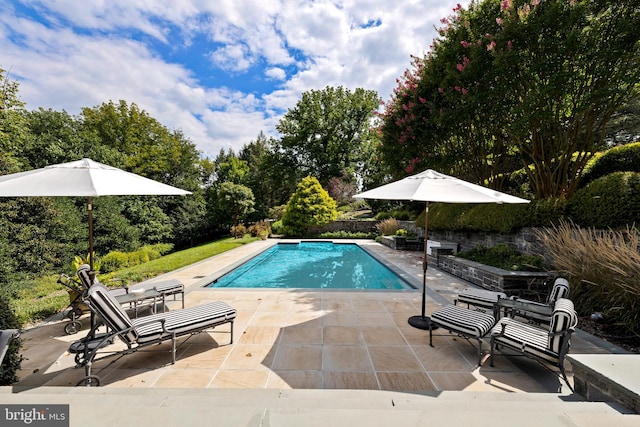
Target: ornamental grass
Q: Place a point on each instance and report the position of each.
(603, 268)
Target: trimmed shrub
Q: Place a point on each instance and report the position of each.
(483, 217)
(490, 217)
(502, 256)
(608, 202)
(309, 205)
(13, 359)
(543, 213)
(113, 261)
(623, 158)
(346, 235)
(380, 216)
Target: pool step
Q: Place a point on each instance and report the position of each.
(268, 407)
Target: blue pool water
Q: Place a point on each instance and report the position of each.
(316, 265)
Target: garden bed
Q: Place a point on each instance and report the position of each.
(524, 284)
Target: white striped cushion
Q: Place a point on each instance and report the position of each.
(464, 321)
(480, 297)
(559, 290)
(109, 309)
(524, 337)
(184, 321)
(563, 318)
(534, 340)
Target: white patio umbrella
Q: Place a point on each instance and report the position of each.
(432, 186)
(82, 178)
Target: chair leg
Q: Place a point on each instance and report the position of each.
(173, 349)
(231, 342)
(430, 334)
(564, 376)
(493, 345)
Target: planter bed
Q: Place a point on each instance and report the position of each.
(524, 284)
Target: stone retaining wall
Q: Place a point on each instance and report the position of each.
(523, 241)
(525, 284)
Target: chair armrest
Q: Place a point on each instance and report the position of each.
(501, 332)
(569, 330)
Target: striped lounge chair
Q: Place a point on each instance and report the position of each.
(539, 312)
(165, 288)
(145, 331)
(546, 345)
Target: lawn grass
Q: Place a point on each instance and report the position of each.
(45, 297)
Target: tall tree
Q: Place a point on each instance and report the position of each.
(536, 79)
(13, 126)
(149, 148)
(267, 188)
(325, 134)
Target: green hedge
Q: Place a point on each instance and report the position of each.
(623, 158)
(117, 260)
(504, 218)
(611, 201)
(504, 257)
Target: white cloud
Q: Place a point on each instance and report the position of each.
(91, 52)
(275, 73)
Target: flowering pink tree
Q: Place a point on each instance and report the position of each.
(516, 84)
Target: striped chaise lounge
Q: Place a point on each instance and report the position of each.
(549, 345)
(481, 299)
(464, 322)
(145, 331)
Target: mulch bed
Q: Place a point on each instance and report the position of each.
(628, 342)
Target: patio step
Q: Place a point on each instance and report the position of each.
(269, 407)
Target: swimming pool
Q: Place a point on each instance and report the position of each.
(313, 265)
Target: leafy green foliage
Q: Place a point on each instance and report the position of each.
(610, 201)
(309, 205)
(279, 229)
(504, 257)
(12, 360)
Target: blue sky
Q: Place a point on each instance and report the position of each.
(219, 70)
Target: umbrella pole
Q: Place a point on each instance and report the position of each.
(422, 321)
(90, 216)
